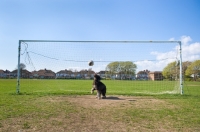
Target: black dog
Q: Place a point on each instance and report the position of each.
(99, 86)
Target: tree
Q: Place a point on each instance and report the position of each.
(124, 69)
(194, 69)
(185, 65)
(112, 68)
(171, 71)
(21, 67)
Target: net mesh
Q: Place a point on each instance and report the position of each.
(137, 67)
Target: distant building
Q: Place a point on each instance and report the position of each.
(64, 74)
(4, 74)
(84, 74)
(23, 73)
(102, 74)
(143, 75)
(1, 73)
(44, 74)
(155, 75)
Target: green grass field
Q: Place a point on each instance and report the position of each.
(80, 87)
(66, 105)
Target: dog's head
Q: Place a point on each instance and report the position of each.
(97, 77)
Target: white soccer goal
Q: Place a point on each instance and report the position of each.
(135, 65)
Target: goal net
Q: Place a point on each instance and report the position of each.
(125, 67)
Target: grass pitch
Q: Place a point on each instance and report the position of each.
(82, 87)
(66, 105)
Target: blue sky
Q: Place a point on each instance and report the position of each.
(98, 20)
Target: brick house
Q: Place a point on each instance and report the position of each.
(155, 75)
(23, 73)
(44, 74)
(64, 74)
(143, 75)
(4, 74)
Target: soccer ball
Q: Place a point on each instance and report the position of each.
(91, 63)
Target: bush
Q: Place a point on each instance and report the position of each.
(188, 79)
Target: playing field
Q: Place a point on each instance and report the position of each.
(67, 105)
(77, 87)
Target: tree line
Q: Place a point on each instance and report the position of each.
(190, 70)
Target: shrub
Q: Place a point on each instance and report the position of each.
(188, 79)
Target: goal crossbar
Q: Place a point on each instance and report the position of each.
(157, 41)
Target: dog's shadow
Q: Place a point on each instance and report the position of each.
(117, 98)
(113, 98)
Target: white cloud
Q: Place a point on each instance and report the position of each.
(163, 56)
(190, 52)
(153, 65)
(150, 65)
(185, 39)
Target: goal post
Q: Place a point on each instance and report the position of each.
(73, 56)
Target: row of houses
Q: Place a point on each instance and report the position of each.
(83, 74)
(48, 74)
(149, 75)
